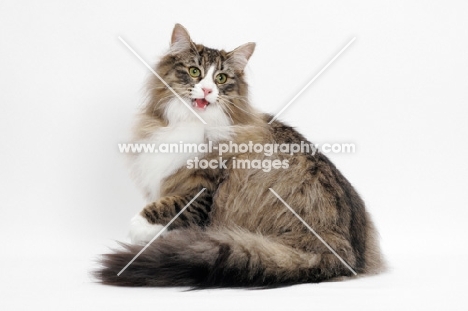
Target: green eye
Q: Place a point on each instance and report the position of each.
(194, 72)
(221, 78)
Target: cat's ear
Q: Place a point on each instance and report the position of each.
(180, 40)
(239, 57)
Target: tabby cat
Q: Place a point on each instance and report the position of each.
(236, 233)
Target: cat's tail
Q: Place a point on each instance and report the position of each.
(217, 258)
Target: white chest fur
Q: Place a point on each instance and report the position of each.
(149, 169)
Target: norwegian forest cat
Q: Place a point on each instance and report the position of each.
(236, 233)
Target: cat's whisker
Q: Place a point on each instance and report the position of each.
(231, 103)
(224, 107)
(162, 99)
(242, 98)
(235, 96)
(227, 106)
(156, 87)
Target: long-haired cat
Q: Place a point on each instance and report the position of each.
(236, 233)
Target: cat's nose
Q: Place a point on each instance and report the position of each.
(206, 91)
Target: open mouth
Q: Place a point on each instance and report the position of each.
(200, 103)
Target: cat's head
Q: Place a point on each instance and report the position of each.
(211, 81)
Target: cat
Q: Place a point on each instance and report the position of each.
(236, 233)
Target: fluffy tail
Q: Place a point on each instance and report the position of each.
(217, 258)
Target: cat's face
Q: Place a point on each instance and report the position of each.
(206, 77)
(210, 80)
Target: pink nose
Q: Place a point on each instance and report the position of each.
(206, 91)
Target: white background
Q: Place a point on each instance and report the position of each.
(69, 90)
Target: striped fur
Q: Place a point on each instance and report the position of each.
(237, 233)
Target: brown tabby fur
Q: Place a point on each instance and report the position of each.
(237, 233)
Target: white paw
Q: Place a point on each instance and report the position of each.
(141, 231)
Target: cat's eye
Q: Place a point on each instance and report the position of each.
(221, 78)
(194, 72)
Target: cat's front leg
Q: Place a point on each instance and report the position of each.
(151, 220)
(141, 231)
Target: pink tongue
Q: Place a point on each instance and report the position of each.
(201, 103)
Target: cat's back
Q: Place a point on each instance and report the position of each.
(312, 186)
